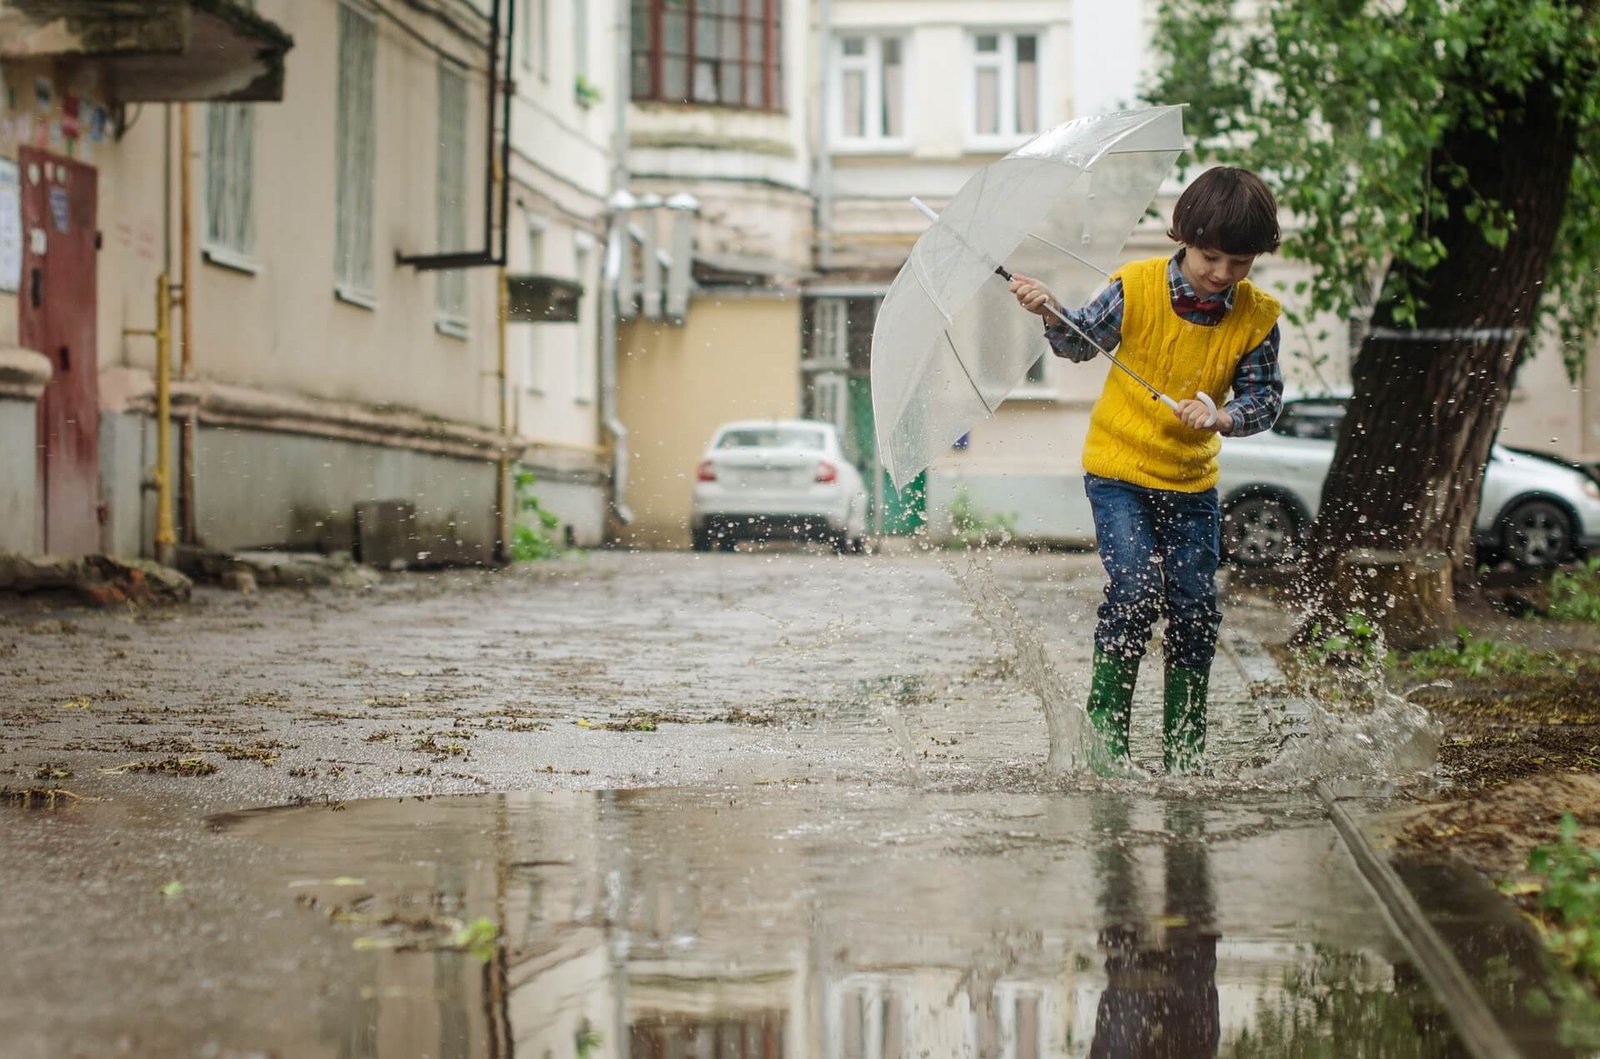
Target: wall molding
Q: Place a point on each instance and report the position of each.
(23, 373)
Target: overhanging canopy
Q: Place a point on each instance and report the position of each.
(155, 51)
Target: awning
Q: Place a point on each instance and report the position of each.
(542, 299)
(155, 51)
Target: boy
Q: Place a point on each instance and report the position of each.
(1187, 323)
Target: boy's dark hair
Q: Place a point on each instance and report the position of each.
(1227, 209)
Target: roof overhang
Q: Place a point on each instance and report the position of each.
(155, 51)
(533, 299)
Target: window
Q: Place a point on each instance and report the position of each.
(583, 366)
(724, 52)
(230, 180)
(450, 200)
(356, 131)
(533, 350)
(534, 34)
(1005, 86)
(580, 40)
(870, 90)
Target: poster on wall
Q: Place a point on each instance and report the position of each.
(10, 228)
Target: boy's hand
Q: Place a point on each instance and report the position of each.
(1194, 414)
(1032, 295)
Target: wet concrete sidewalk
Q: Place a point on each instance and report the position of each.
(604, 671)
(830, 765)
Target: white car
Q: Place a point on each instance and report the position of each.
(1535, 510)
(777, 478)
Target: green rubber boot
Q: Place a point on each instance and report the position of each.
(1183, 721)
(1110, 709)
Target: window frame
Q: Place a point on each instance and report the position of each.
(649, 44)
(870, 66)
(584, 384)
(1010, 134)
(535, 360)
(357, 289)
(450, 301)
(217, 247)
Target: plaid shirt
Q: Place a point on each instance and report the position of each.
(1257, 381)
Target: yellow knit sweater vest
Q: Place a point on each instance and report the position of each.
(1133, 437)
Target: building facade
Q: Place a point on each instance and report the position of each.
(339, 373)
(696, 206)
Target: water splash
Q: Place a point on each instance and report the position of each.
(1064, 719)
(1394, 739)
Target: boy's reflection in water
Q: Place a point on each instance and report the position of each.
(1161, 996)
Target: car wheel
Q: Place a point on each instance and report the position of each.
(1260, 530)
(1536, 533)
(700, 539)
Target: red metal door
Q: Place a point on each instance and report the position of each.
(57, 318)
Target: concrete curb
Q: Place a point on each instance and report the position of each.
(1480, 1034)
(1477, 1029)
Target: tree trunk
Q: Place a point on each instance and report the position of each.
(1428, 398)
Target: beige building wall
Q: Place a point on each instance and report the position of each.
(736, 356)
(308, 400)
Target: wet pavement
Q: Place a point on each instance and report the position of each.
(761, 804)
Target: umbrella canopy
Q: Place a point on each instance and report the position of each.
(950, 342)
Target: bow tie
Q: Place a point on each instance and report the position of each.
(1188, 303)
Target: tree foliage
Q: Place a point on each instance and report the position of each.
(1438, 161)
(1349, 107)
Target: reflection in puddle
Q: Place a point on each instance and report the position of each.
(846, 924)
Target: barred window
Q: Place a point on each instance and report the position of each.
(450, 199)
(357, 136)
(230, 182)
(723, 52)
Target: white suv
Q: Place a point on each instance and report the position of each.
(1535, 510)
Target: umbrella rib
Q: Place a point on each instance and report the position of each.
(987, 407)
(1063, 250)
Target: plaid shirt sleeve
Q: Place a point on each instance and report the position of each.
(1257, 389)
(1100, 320)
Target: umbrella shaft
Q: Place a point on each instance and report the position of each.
(1113, 358)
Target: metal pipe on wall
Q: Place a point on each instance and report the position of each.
(611, 267)
(186, 299)
(504, 515)
(165, 539)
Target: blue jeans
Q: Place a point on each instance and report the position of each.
(1160, 550)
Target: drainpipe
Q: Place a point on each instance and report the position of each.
(503, 514)
(186, 300)
(165, 539)
(824, 164)
(616, 243)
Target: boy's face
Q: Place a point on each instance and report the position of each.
(1210, 271)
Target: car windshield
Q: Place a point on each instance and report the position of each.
(1318, 420)
(772, 438)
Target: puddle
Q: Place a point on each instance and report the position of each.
(842, 923)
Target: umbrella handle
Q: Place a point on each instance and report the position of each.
(1203, 397)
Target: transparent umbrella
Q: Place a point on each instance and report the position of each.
(950, 341)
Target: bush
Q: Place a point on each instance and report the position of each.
(1575, 594)
(972, 526)
(533, 536)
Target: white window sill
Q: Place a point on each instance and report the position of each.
(451, 327)
(1035, 393)
(354, 296)
(899, 145)
(997, 144)
(226, 257)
